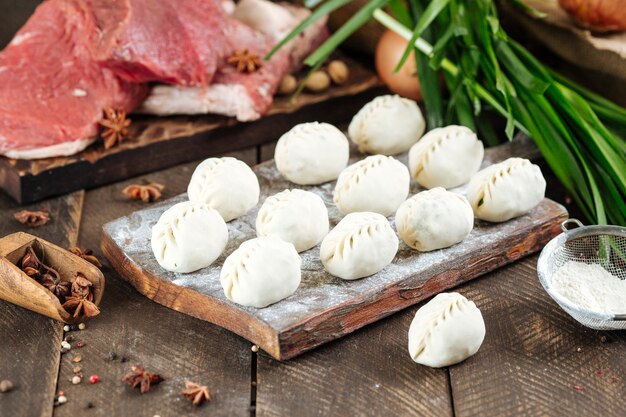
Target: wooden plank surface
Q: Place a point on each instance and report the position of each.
(535, 355)
(174, 345)
(368, 373)
(325, 308)
(30, 343)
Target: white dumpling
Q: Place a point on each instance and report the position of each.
(446, 330)
(446, 157)
(434, 219)
(387, 125)
(377, 183)
(312, 153)
(262, 271)
(506, 190)
(296, 216)
(226, 184)
(361, 245)
(188, 236)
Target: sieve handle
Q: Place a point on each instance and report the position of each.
(567, 222)
(620, 317)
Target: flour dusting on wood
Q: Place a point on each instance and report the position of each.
(319, 291)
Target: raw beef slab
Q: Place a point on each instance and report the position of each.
(51, 91)
(259, 25)
(168, 41)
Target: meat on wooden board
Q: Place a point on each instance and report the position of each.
(73, 58)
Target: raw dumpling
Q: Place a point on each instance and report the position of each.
(226, 184)
(387, 125)
(296, 216)
(360, 245)
(312, 153)
(377, 183)
(261, 272)
(506, 190)
(434, 219)
(188, 236)
(446, 157)
(445, 331)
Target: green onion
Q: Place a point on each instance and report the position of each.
(580, 134)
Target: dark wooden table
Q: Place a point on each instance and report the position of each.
(535, 360)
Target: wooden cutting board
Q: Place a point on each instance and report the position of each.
(159, 142)
(324, 307)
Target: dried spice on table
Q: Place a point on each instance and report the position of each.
(80, 303)
(32, 218)
(245, 61)
(140, 378)
(86, 254)
(197, 393)
(56, 286)
(115, 127)
(146, 193)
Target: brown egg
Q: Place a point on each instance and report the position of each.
(388, 53)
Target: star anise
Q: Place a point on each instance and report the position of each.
(80, 303)
(245, 61)
(86, 254)
(56, 286)
(139, 377)
(80, 307)
(115, 126)
(31, 263)
(146, 193)
(81, 287)
(196, 393)
(32, 218)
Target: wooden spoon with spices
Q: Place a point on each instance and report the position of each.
(19, 288)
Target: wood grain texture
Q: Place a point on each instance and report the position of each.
(323, 308)
(369, 373)
(30, 343)
(534, 355)
(174, 345)
(160, 142)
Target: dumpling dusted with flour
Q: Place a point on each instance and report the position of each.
(361, 245)
(446, 157)
(312, 153)
(434, 219)
(377, 183)
(226, 184)
(296, 216)
(188, 236)
(387, 125)
(506, 190)
(262, 271)
(445, 331)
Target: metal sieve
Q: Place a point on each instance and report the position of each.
(603, 245)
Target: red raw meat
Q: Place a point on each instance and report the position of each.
(169, 41)
(52, 92)
(245, 96)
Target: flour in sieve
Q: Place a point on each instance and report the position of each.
(590, 286)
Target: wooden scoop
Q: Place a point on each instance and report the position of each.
(18, 288)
